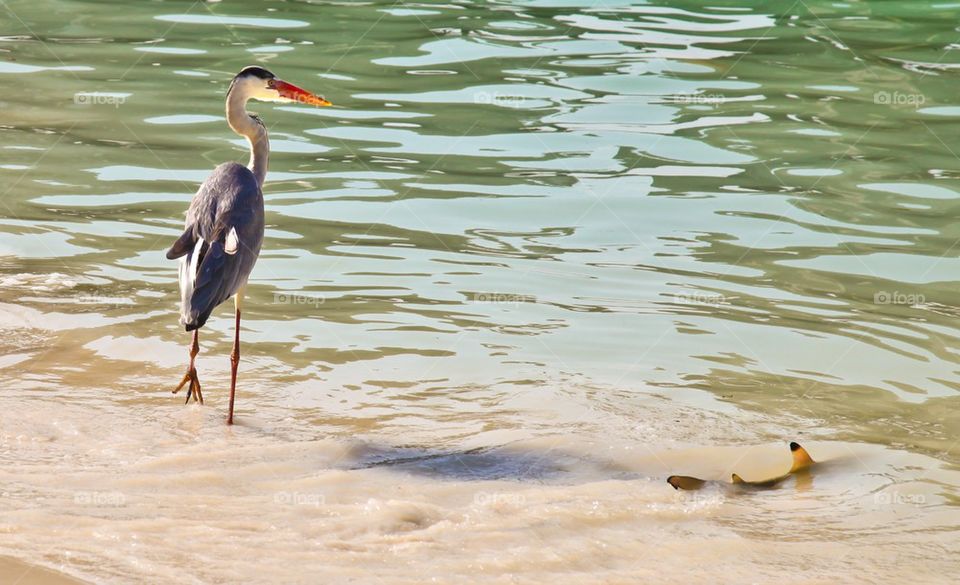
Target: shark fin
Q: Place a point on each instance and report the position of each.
(685, 482)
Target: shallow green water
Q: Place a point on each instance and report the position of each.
(520, 218)
(631, 194)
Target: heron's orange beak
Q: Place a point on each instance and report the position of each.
(296, 94)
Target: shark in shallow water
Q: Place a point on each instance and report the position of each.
(801, 462)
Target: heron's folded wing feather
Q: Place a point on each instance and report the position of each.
(211, 266)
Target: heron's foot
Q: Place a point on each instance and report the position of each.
(194, 389)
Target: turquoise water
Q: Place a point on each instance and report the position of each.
(520, 220)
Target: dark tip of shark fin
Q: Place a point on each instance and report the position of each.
(801, 459)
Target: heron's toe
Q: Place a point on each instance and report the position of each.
(193, 389)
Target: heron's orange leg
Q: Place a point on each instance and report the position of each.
(191, 375)
(234, 362)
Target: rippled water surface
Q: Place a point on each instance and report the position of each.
(540, 255)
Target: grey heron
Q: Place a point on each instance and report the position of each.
(224, 228)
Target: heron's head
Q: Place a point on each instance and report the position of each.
(257, 83)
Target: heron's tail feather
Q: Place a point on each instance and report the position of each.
(184, 244)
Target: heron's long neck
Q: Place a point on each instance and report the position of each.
(241, 123)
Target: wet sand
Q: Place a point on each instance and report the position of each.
(16, 572)
(150, 491)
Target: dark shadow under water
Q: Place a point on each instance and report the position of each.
(496, 463)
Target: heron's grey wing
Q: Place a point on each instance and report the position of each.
(221, 274)
(210, 287)
(229, 205)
